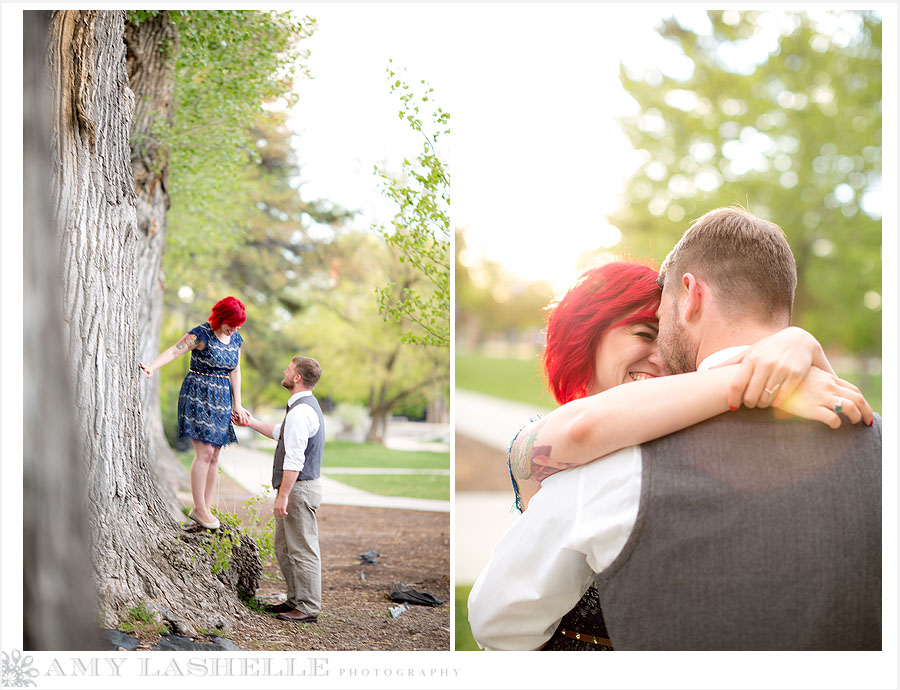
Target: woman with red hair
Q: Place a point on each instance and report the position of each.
(210, 395)
(602, 334)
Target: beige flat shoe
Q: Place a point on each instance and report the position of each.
(207, 525)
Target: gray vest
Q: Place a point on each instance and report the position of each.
(312, 466)
(752, 533)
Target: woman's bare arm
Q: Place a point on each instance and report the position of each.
(188, 342)
(586, 429)
(239, 414)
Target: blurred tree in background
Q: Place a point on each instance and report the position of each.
(229, 63)
(490, 301)
(368, 359)
(794, 136)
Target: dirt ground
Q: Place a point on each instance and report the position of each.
(414, 548)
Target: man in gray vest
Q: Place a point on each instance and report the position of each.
(742, 532)
(295, 475)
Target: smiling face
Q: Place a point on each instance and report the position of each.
(228, 329)
(625, 354)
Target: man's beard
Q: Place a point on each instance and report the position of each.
(286, 384)
(676, 349)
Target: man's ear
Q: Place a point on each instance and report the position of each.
(694, 296)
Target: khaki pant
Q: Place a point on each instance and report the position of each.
(297, 547)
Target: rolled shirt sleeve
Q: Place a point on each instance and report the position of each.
(575, 526)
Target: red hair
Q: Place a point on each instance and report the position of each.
(616, 294)
(229, 311)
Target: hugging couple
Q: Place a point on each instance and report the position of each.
(732, 504)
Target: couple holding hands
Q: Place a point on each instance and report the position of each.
(208, 404)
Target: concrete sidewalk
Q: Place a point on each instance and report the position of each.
(252, 469)
(482, 517)
(491, 420)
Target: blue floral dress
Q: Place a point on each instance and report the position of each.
(205, 401)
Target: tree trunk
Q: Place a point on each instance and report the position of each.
(378, 425)
(150, 60)
(58, 595)
(139, 552)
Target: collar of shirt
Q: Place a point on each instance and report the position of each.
(716, 358)
(296, 396)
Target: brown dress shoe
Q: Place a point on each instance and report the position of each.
(297, 616)
(283, 607)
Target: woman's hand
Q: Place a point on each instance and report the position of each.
(821, 394)
(772, 368)
(147, 369)
(240, 416)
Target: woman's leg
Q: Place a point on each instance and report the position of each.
(211, 473)
(203, 458)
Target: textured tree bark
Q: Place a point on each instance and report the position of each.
(150, 47)
(58, 593)
(139, 551)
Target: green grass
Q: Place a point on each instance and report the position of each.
(511, 379)
(435, 487)
(347, 454)
(464, 641)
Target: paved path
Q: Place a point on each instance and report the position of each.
(482, 517)
(253, 468)
(479, 519)
(491, 420)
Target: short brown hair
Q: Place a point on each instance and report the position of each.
(746, 260)
(308, 369)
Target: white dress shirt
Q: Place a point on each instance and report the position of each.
(300, 426)
(575, 526)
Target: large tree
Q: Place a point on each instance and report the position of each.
(794, 136)
(58, 595)
(139, 553)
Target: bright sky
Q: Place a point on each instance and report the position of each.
(536, 156)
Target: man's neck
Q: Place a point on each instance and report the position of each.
(743, 333)
(296, 390)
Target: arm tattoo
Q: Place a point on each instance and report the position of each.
(531, 461)
(524, 450)
(189, 340)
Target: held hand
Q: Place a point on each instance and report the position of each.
(819, 395)
(771, 369)
(281, 505)
(147, 370)
(240, 416)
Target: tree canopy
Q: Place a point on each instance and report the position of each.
(228, 63)
(796, 139)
